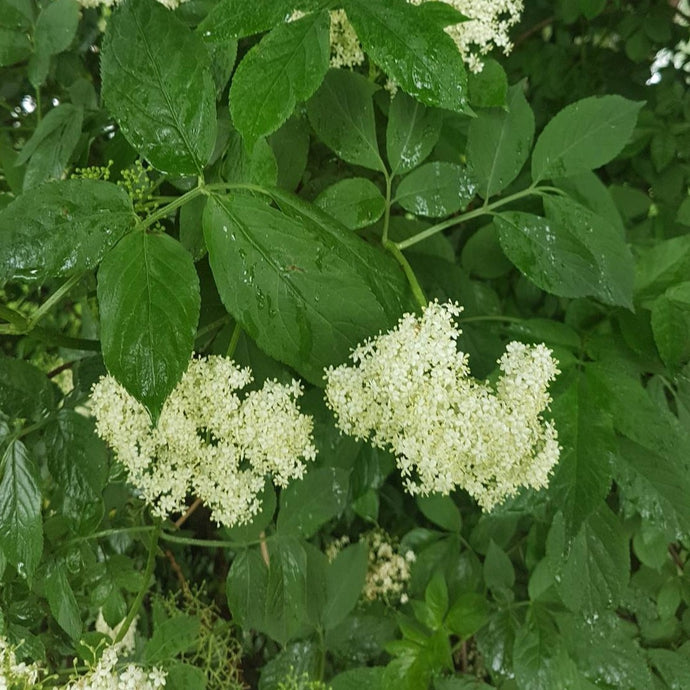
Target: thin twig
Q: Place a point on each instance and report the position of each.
(533, 30)
(264, 549)
(180, 521)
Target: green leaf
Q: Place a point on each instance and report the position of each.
(304, 288)
(25, 391)
(56, 26)
(674, 666)
(181, 676)
(583, 475)
(342, 114)
(468, 614)
(238, 18)
(436, 189)
(499, 572)
(172, 637)
(412, 132)
(78, 463)
(308, 503)
(614, 260)
(499, 142)
(671, 325)
(15, 27)
(597, 569)
(552, 258)
(662, 266)
(61, 228)
(251, 532)
(157, 84)
(290, 146)
(283, 69)
(413, 49)
(462, 682)
(359, 679)
(346, 575)
(584, 136)
(148, 295)
(63, 604)
(246, 589)
(298, 659)
(258, 166)
(436, 599)
(21, 526)
(488, 88)
(482, 254)
(356, 202)
(441, 510)
(51, 146)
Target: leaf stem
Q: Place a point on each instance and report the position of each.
(487, 209)
(417, 291)
(472, 319)
(234, 339)
(52, 300)
(148, 572)
(387, 210)
(169, 207)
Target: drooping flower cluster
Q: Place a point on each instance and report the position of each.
(410, 390)
(488, 27)
(208, 442)
(389, 571)
(106, 676)
(15, 675)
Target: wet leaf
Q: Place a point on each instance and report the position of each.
(356, 202)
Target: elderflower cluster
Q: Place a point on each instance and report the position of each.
(13, 675)
(208, 442)
(169, 4)
(410, 390)
(389, 571)
(126, 644)
(106, 676)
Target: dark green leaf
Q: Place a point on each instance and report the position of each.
(191, 229)
(171, 638)
(246, 589)
(441, 510)
(671, 325)
(598, 567)
(413, 131)
(78, 463)
(356, 202)
(284, 69)
(50, 147)
(499, 142)
(468, 614)
(21, 527)
(302, 286)
(482, 254)
(148, 294)
(258, 167)
(674, 666)
(583, 474)
(298, 659)
(584, 136)
(661, 266)
(436, 600)
(181, 676)
(308, 503)
(436, 189)
(346, 575)
(342, 114)
(15, 25)
(498, 568)
(290, 146)
(56, 26)
(238, 18)
(614, 260)
(61, 600)
(25, 391)
(553, 259)
(413, 49)
(463, 682)
(488, 88)
(61, 229)
(359, 679)
(157, 84)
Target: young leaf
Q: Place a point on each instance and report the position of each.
(356, 202)
(346, 575)
(342, 114)
(584, 136)
(413, 49)
(21, 526)
(436, 189)
(157, 84)
(499, 142)
(283, 69)
(308, 503)
(51, 145)
(413, 131)
(62, 228)
(61, 599)
(148, 295)
(304, 288)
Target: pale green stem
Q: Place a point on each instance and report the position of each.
(53, 300)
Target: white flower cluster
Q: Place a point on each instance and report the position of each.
(169, 4)
(126, 644)
(388, 572)
(13, 675)
(207, 441)
(106, 676)
(410, 390)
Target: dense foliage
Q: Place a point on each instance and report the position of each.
(489, 497)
